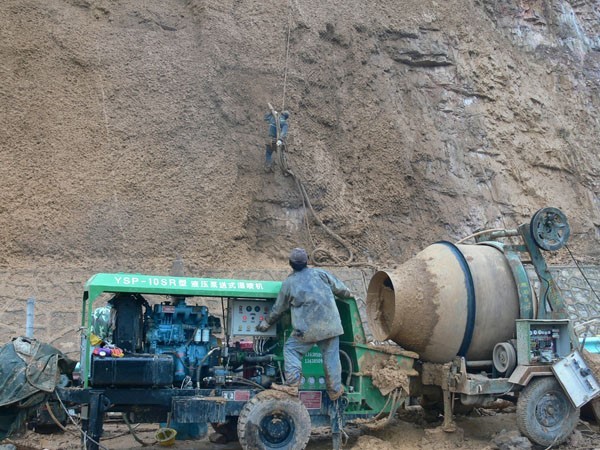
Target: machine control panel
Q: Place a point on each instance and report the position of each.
(542, 341)
(244, 315)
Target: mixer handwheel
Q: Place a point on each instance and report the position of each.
(504, 358)
(550, 229)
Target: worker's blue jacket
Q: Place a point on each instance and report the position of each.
(309, 294)
(283, 126)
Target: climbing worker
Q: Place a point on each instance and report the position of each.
(309, 294)
(277, 135)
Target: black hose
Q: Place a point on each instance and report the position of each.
(259, 359)
(241, 369)
(349, 377)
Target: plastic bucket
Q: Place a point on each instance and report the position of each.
(165, 436)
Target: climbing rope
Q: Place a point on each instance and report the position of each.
(287, 54)
(319, 255)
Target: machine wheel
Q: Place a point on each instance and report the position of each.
(544, 413)
(228, 429)
(274, 420)
(550, 229)
(504, 358)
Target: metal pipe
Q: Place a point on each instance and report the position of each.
(482, 363)
(30, 317)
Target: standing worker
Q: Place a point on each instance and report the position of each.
(309, 293)
(277, 135)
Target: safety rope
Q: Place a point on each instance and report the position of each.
(287, 54)
(319, 255)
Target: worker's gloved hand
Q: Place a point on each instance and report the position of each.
(279, 142)
(263, 326)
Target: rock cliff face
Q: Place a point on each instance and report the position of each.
(132, 131)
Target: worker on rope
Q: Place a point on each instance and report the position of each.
(278, 130)
(310, 295)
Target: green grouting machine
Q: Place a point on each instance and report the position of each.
(469, 327)
(184, 365)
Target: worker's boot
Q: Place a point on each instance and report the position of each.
(336, 395)
(290, 389)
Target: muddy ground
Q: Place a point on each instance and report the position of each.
(476, 431)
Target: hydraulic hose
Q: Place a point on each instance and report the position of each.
(259, 359)
(199, 367)
(349, 377)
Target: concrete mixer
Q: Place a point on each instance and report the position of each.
(481, 330)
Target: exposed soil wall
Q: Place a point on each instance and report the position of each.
(131, 131)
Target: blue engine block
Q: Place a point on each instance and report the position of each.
(184, 331)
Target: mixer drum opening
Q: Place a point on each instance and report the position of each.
(446, 301)
(381, 305)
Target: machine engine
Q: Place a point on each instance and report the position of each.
(174, 343)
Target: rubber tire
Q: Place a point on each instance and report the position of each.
(527, 404)
(227, 429)
(263, 405)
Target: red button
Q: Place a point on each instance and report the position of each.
(244, 318)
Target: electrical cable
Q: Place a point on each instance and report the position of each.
(83, 433)
(125, 433)
(56, 421)
(479, 233)
(133, 435)
(581, 271)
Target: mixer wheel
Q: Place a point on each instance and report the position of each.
(550, 229)
(504, 357)
(274, 420)
(544, 413)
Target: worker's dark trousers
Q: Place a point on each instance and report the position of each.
(270, 148)
(294, 350)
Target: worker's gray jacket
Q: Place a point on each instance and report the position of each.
(309, 293)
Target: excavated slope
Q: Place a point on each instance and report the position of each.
(132, 131)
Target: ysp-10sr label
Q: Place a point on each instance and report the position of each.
(186, 283)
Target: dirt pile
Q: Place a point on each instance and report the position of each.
(593, 362)
(133, 131)
(388, 375)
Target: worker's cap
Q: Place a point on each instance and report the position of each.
(299, 256)
(285, 114)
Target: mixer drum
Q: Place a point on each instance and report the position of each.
(447, 300)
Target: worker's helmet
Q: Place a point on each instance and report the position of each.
(285, 114)
(298, 259)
